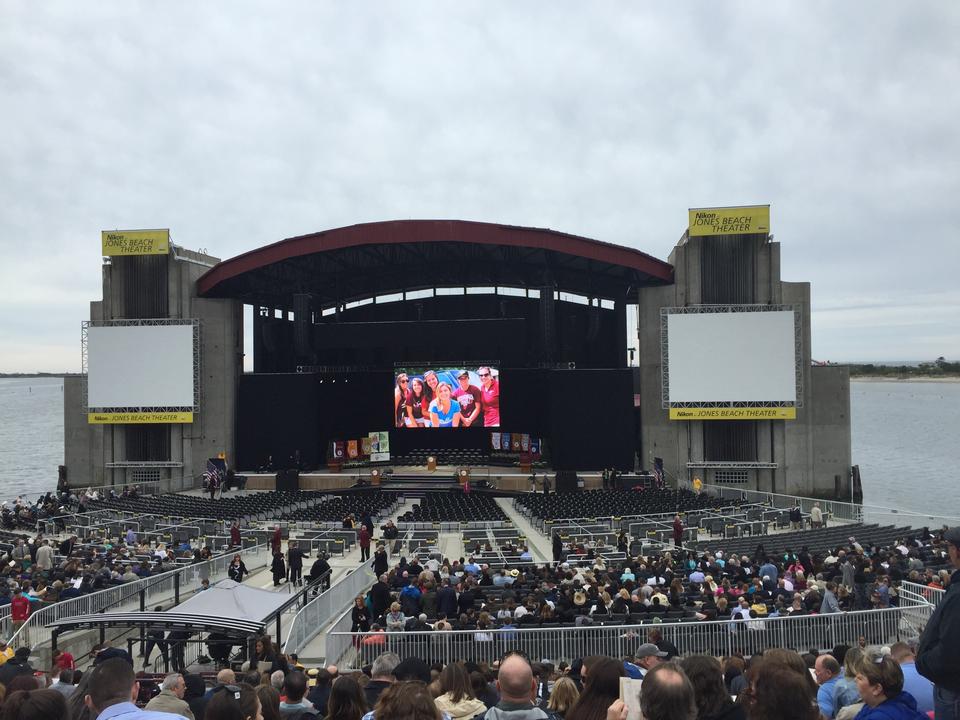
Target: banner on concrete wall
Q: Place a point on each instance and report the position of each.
(139, 418)
(135, 242)
(729, 220)
(734, 413)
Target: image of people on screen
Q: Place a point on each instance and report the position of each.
(451, 397)
(400, 391)
(417, 405)
(489, 397)
(444, 410)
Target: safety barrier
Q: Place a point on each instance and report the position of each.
(835, 509)
(156, 589)
(718, 638)
(922, 593)
(308, 623)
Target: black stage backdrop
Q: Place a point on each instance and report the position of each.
(585, 416)
(276, 416)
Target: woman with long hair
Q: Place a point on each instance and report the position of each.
(405, 701)
(845, 692)
(601, 687)
(444, 410)
(346, 700)
(713, 700)
(269, 698)
(267, 657)
(399, 399)
(794, 662)
(456, 698)
(237, 569)
(35, 705)
(417, 405)
(431, 381)
(734, 677)
(563, 697)
(778, 692)
(359, 616)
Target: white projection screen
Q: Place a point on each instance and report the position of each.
(731, 357)
(140, 366)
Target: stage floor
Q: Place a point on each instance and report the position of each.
(501, 478)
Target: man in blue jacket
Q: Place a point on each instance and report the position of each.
(938, 656)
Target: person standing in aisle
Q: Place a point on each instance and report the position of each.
(295, 558)
(364, 543)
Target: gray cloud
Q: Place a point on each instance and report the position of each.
(237, 124)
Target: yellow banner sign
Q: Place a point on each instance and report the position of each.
(135, 242)
(729, 221)
(734, 413)
(138, 418)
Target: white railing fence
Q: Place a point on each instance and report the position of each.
(158, 589)
(921, 593)
(314, 615)
(718, 638)
(835, 509)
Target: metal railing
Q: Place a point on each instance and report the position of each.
(718, 638)
(836, 509)
(156, 589)
(314, 615)
(146, 487)
(924, 593)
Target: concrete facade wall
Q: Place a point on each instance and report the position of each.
(89, 448)
(809, 452)
(832, 439)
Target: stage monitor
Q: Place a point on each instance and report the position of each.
(446, 397)
(140, 366)
(730, 356)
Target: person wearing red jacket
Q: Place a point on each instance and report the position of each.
(275, 541)
(19, 611)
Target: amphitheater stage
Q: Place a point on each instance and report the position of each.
(444, 477)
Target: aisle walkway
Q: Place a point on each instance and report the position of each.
(538, 543)
(315, 651)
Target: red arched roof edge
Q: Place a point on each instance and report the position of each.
(413, 231)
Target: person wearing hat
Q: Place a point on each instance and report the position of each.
(938, 655)
(469, 398)
(6, 652)
(648, 656)
(579, 599)
(19, 664)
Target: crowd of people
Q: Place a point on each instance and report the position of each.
(431, 399)
(435, 594)
(862, 683)
(46, 570)
(902, 681)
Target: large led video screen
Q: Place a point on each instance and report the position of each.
(446, 397)
(731, 357)
(140, 366)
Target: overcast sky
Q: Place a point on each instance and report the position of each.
(237, 124)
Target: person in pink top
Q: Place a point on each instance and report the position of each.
(490, 397)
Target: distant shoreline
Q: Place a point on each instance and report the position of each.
(16, 376)
(905, 378)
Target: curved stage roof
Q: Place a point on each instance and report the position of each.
(361, 261)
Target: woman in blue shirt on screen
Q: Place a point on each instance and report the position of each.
(444, 410)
